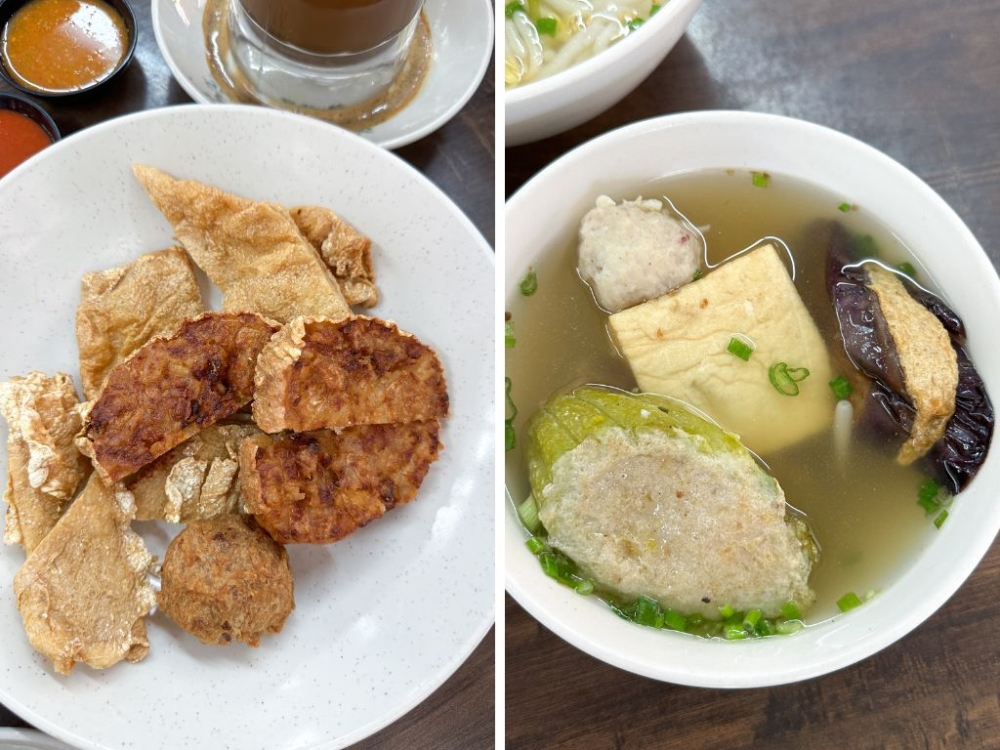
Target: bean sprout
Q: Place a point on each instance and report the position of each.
(583, 28)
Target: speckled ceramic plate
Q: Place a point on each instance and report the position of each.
(461, 32)
(382, 617)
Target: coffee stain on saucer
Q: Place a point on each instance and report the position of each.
(236, 87)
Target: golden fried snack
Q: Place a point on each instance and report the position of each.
(83, 592)
(226, 579)
(170, 389)
(318, 487)
(124, 307)
(344, 249)
(926, 357)
(194, 480)
(252, 250)
(44, 468)
(318, 373)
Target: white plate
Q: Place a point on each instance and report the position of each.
(461, 32)
(383, 617)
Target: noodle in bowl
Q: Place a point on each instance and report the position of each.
(566, 61)
(544, 37)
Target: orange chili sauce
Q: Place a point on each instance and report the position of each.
(59, 46)
(20, 137)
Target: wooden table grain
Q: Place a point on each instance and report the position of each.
(459, 158)
(920, 80)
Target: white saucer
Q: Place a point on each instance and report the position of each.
(461, 32)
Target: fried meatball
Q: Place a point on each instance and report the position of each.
(226, 579)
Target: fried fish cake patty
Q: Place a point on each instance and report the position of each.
(171, 388)
(318, 373)
(225, 579)
(320, 486)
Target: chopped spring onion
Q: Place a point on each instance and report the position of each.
(698, 274)
(865, 247)
(927, 495)
(734, 631)
(761, 179)
(751, 620)
(634, 24)
(841, 387)
(791, 611)
(907, 268)
(528, 513)
(653, 9)
(788, 627)
(845, 207)
(647, 611)
(740, 348)
(786, 379)
(535, 545)
(934, 499)
(848, 602)
(512, 7)
(557, 565)
(509, 340)
(674, 620)
(509, 435)
(545, 26)
(529, 284)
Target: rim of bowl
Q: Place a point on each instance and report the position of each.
(573, 75)
(9, 7)
(833, 643)
(33, 110)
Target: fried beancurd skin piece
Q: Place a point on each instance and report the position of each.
(44, 468)
(344, 249)
(194, 480)
(83, 592)
(318, 373)
(929, 362)
(225, 579)
(170, 389)
(318, 487)
(122, 308)
(251, 250)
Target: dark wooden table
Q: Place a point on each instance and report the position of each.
(459, 158)
(920, 80)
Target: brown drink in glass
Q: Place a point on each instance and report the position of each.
(321, 54)
(332, 27)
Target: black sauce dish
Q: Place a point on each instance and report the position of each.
(9, 7)
(23, 105)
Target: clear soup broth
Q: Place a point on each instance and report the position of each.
(865, 518)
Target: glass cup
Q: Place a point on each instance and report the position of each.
(322, 54)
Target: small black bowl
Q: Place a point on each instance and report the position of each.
(9, 7)
(23, 105)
